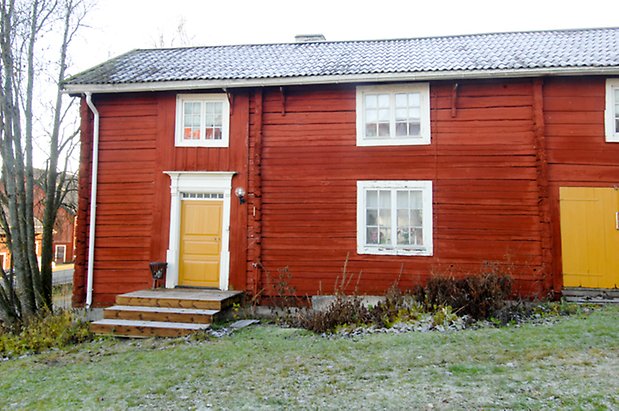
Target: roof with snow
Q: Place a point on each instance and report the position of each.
(514, 54)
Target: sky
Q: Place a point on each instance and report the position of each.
(117, 26)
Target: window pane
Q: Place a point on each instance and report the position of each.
(191, 120)
(209, 134)
(617, 110)
(383, 100)
(417, 236)
(371, 217)
(414, 129)
(371, 116)
(401, 100)
(400, 129)
(192, 107)
(371, 130)
(414, 99)
(371, 101)
(404, 236)
(414, 113)
(218, 133)
(416, 218)
(400, 114)
(384, 217)
(403, 218)
(383, 130)
(372, 235)
(385, 199)
(402, 199)
(416, 199)
(371, 199)
(383, 115)
(384, 236)
(213, 114)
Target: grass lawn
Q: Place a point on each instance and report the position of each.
(572, 363)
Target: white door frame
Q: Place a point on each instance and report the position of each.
(217, 182)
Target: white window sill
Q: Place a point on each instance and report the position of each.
(202, 143)
(376, 142)
(394, 251)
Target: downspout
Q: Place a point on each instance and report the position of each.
(93, 201)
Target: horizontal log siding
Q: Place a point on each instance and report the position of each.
(578, 154)
(133, 199)
(482, 163)
(125, 195)
(83, 201)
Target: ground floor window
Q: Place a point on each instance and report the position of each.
(394, 217)
(61, 252)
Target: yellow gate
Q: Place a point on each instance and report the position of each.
(200, 243)
(590, 236)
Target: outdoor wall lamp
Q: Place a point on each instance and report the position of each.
(240, 193)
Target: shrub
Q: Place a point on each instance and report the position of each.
(43, 332)
(397, 307)
(478, 296)
(344, 310)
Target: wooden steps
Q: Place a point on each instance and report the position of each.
(164, 312)
(132, 328)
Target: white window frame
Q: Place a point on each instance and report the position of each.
(425, 186)
(5, 260)
(424, 101)
(610, 114)
(202, 142)
(64, 252)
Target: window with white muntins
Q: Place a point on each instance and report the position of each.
(393, 115)
(61, 252)
(612, 110)
(394, 217)
(202, 120)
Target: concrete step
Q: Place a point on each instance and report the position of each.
(133, 328)
(165, 314)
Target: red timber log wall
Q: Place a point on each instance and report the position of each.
(483, 161)
(500, 150)
(136, 146)
(578, 156)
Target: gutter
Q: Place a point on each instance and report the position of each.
(93, 201)
(338, 79)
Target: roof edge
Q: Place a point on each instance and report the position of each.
(315, 80)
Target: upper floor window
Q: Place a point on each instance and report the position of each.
(393, 115)
(202, 120)
(612, 110)
(394, 217)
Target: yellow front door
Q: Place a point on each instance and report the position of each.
(200, 243)
(589, 237)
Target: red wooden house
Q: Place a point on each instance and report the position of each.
(419, 156)
(64, 228)
(63, 245)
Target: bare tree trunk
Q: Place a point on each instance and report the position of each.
(31, 289)
(29, 178)
(13, 163)
(52, 199)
